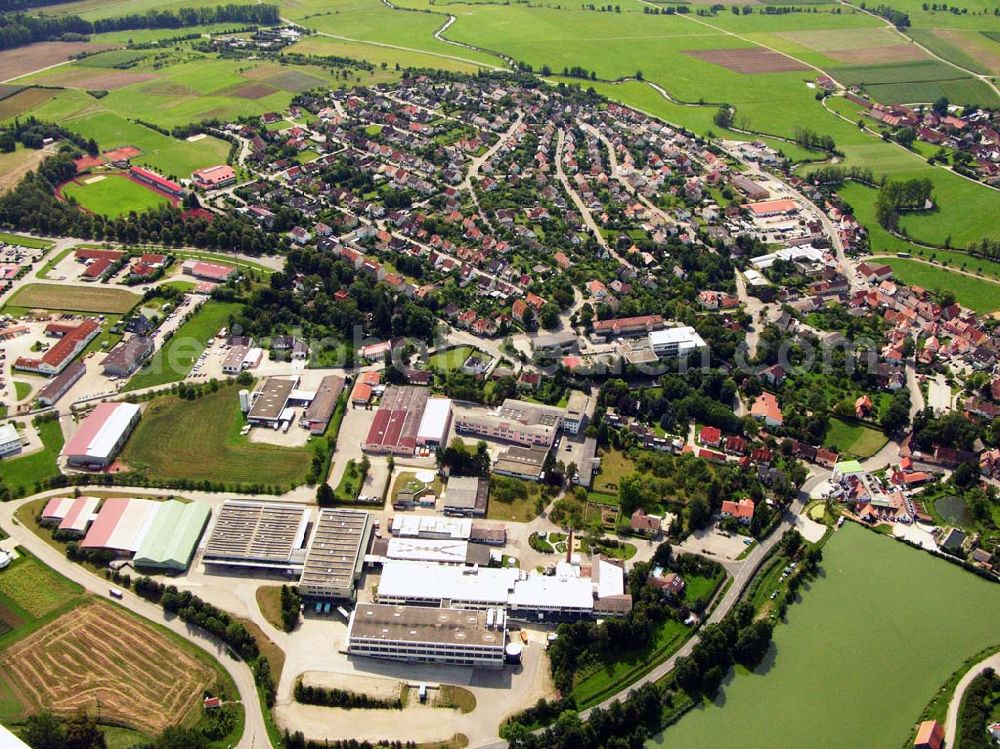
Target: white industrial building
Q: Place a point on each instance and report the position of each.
(671, 343)
(335, 558)
(420, 583)
(454, 637)
(259, 535)
(431, 526)
(439, 551)
(101, 435)
(434, 424)
(10, 440)
(805, 254)
(574, 591)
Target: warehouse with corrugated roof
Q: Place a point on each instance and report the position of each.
(173, 536)
(121, 525)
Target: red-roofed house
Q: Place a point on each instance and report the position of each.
(742, 510)
(710, 436)
(766, 409)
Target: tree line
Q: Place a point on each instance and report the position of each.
(32, 206)
(311, 695)
(897, 18)
(217, 622)
(981, 697)
(19, 29)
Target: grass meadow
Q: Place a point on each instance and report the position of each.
(863, 627)
(115, 195)
(853, 440)
(978, 294)
(20, 474)
(174, 360)
(199, 440)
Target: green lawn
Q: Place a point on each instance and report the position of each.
(173, 362)
(349, 488)
(451, 359)
(850, 439)
(37, 244)
(864, 626)
(199, 440)
(21, 389)
(512, 499)
(701, 587)
(114, 195)
(19, 475)
(615, 465)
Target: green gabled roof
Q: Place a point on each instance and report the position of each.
(174, 534)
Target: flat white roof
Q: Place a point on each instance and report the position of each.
(684, 337)
(805, 252)
(414, 526)
(411, 580)
(434, 422)
(610, 579)
(428, 550)
(558, 591)
(8, 433)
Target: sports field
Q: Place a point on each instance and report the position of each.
(174, 360)
(200, 440)
(97, 299)
(113, 195)
(881, 620)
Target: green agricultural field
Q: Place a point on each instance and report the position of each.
(199, 440)
(856, 630)
(971, 49)
(173, 362)
(35, 588)
(19, 475)
(853, 440)
(377, 55)
(977, 294)
(113, 195)
(95, 299)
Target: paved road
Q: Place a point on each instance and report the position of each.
(255, 732)
(951, 720)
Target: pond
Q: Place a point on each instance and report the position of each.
(953, 510)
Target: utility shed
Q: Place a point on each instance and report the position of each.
(173, 536)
